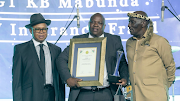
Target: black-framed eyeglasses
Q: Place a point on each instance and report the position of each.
(38, 30)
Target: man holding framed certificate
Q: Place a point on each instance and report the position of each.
(107, 90)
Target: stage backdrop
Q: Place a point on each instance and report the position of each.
(15, 14)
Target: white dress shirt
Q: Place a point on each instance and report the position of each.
(48, 66)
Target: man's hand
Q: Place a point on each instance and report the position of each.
(123, 82)
(73, 82)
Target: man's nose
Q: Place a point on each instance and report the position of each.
(41, 30)
(96, 24)
(128, 25)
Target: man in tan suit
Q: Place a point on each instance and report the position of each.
(151, 64)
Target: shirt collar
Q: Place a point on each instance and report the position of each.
(90, 36)
(36, 43)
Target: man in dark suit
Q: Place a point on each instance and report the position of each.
(99, 93)
(35, 76)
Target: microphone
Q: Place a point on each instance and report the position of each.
(162, 11)
(78, 18)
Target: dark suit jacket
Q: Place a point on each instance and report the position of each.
(29, 77)
(112, 45)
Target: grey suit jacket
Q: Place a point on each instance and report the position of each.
(112, 45)
(28, 76)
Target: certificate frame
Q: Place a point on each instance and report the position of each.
(89, 43)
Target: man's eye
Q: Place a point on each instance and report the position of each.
(93, 22)
(44, 29)
(37, 29)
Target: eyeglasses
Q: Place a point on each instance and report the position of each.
(38, 30)
(94, 22)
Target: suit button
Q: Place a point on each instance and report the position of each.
(135, 83)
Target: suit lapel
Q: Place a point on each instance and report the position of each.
(34, 53)
(86, 35)
(107, 50)
(52, 55)
(54, 71)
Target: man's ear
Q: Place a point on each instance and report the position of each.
(30, 30)
(104, 26)
(89, 23)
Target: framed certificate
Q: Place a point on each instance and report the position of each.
(87, 60)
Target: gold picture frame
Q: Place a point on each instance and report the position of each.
(89, 55)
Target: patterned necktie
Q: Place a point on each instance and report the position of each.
(42, 57)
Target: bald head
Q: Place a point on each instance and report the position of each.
(98, 14)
